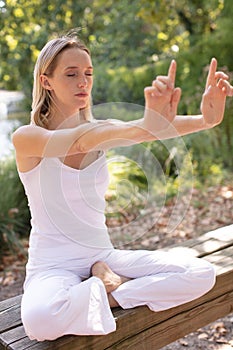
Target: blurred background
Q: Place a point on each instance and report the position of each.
(131, 42)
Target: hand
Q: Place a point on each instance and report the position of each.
(214, 97)
(162, 97)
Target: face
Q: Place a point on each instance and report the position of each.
(71, 82)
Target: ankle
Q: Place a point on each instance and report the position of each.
(112, 301)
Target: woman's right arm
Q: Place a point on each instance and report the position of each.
(35, 141)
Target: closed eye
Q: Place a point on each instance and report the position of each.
(71, 75)
(76, 74)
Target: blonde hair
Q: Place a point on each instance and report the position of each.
(46, 64)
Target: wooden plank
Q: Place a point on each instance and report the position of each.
(224, 233)
(6, 304)
(64, 343)
(14, 335)
(200, 247)
(10, 318)
(206, 244)
(222, 260)
(178, 326)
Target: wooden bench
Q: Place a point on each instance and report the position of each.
(140, 328)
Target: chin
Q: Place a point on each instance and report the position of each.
(82, 105)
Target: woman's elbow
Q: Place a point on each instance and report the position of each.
(84, 146)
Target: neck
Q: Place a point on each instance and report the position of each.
(61, 121)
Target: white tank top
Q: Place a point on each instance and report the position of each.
(67, 205)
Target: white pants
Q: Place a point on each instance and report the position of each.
(57, 302)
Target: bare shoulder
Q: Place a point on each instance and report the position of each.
(27, 131)
(27, 136)
(23, 139)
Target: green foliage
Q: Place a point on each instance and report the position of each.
(124, 83)
(27, 26)
(128, 187)
(124, 33)
(14, 215)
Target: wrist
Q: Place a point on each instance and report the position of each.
(155, 123)
(207, 122)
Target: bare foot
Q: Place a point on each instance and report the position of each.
(110, 279)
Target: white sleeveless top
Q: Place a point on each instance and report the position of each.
(67, 205)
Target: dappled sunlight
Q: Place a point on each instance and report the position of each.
(222, 259)
(226, 192)
(215, 246)
(226, 233)
(211, 245)
(225, 347)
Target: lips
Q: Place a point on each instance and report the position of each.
(82, 94)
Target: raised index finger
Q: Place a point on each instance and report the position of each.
(211, 74)
(172, 72)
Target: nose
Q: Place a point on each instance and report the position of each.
(82, 81)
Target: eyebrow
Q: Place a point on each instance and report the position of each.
(75, 67)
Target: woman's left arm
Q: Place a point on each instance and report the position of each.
(160, 120)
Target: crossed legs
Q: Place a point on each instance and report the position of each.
(70, 305)
(156, 279)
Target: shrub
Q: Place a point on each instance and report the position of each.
(14, 212)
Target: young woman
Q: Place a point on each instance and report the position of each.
(74, 275)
